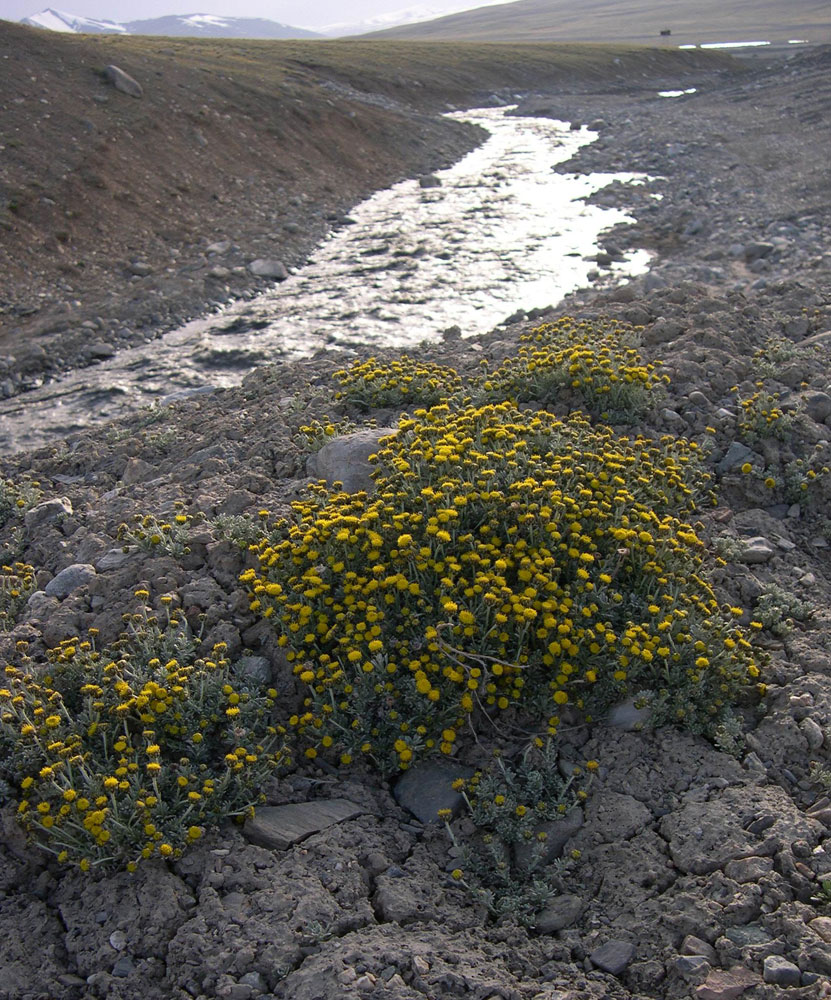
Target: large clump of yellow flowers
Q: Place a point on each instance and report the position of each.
(510, 563)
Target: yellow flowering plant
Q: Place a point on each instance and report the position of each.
(121, 756)
(761, 416)
(593, 363)
(17, 584)
(371, 384)
(147, 531)
(513, 807)
(509, 563)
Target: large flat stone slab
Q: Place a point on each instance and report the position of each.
(278, 827)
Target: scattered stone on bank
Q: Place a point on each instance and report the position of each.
(727, 984)
(268, 268)
(781, 972)
(43, 513)
(346, 459)
(69, 580)
(561, 912)
(123, 81)
(757, 551)
(613, 956)
(427, 788)
(278, 827)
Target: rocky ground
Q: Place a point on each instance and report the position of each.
(699, 866)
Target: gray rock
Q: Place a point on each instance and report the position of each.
(137, 471)
(429, 181)
(821, 926)
(346, 459)
(757, 251)
(628, 717)
(726, 984)
(100, 349)
(256, 980)
(255, 669)
(817, 406)
(122, 81)
(613, 956)
(140, 268)
(813, 733)
(113, 559)
(692, 945)
(219, 273)
(749, 934)
(737, 455)
(69, 580)
(427, 788)
(748, 869)
(118, 940)
(49, 510)
(756, 551)
(221, 246)
(561, 912)
(268, 268)
(40, 606)
(557, 832)
(123, 967)
(692, 967)
(278, 827)
(781, 972)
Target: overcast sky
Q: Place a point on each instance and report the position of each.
(302, 13)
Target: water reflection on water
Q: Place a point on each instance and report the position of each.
(502, 231)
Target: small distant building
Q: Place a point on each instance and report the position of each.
(666, 31)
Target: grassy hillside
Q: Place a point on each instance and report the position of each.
(638, 21)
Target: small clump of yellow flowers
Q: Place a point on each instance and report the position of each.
(132, 752)
(594, 362)
(17, 584)
(508, 562)
(400, 383)
(515, 806)
(147, 531)
(760, 416)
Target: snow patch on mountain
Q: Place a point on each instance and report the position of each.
(59, 20)
(180, 25)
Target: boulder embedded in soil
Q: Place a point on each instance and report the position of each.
(268, 268)
(613, 956)
(346, 459)
(69, 580)
(278, 827)
(123, 81)
(428, 787)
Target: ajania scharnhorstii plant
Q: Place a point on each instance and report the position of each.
(509, 562)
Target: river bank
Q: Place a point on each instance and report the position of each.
(694, 869)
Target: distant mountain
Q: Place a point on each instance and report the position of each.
(211, 26)
(179, 25)
(394, 18)
(58, 20)
(629, 21)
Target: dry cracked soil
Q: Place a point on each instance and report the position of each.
(699, 866)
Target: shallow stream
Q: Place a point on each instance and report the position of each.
(500, 231)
